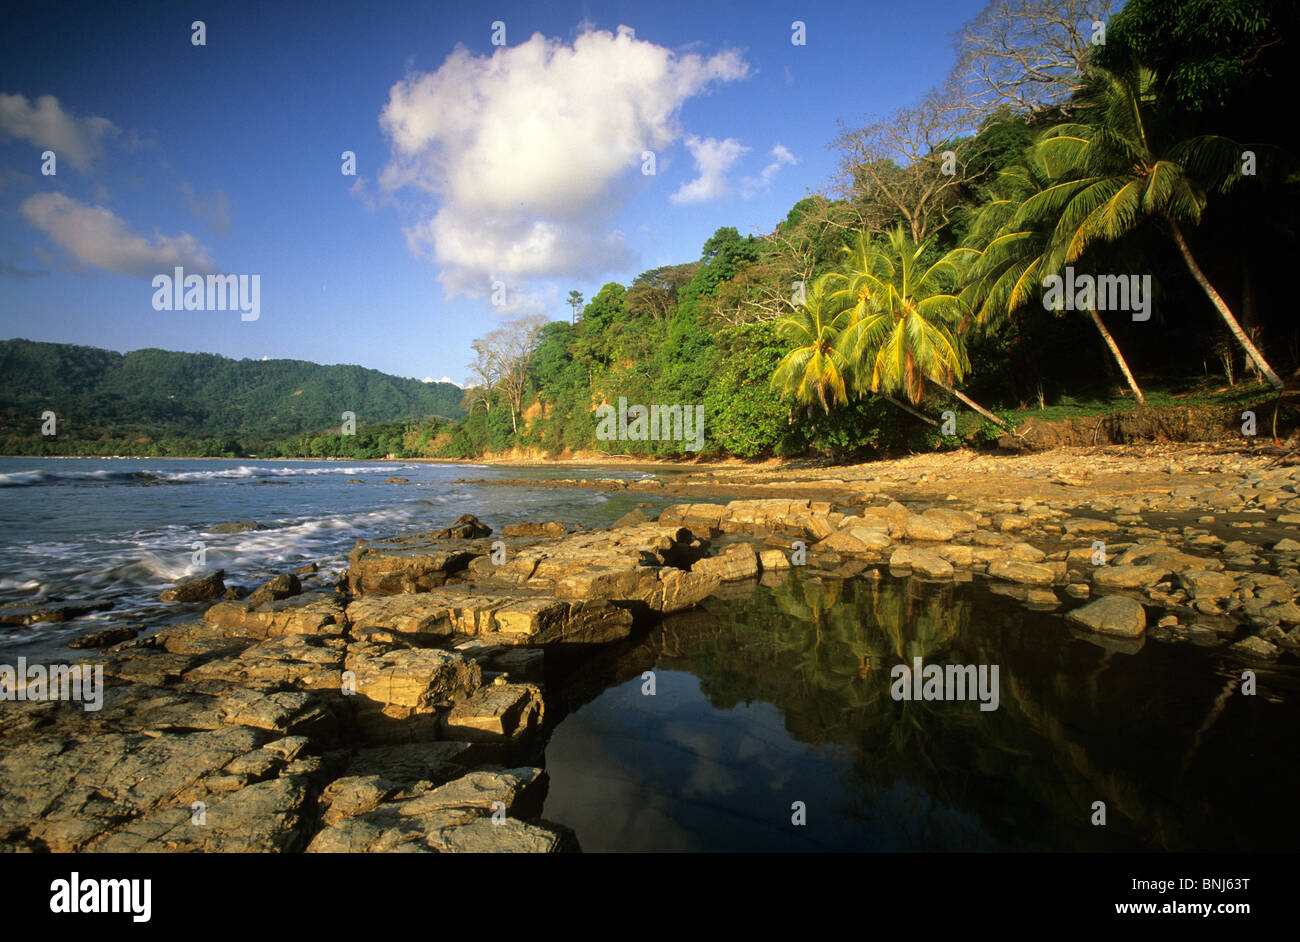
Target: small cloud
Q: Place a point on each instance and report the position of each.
(713, 158)
(78, 141)
(789, 76)
(214, 209)
(781, 157)
(360, 190)
(95, 236)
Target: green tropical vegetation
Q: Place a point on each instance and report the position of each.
(162, 403)
(915, 286)
(905, 299)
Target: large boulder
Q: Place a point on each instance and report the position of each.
(1205, 584)
(280, 587)
(1112, 615)
(197, 588)
(738, 562)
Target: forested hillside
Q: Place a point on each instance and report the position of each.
(1146, 170)
(162, 402)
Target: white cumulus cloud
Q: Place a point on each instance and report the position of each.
(781, 157)
(713, 158)
(95, 236)
(45, 124)
(528, 153)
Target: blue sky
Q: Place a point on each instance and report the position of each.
(475, 163)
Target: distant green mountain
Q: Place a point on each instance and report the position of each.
(162, 394)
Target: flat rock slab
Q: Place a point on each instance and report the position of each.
(1013, 570)
(496, 713)
(407, 564)
(1128, 577)
(411, 680)
(314, 613)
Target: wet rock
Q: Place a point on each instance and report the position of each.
(238, 526)
(773, 560)
(197, 589)
(1111, 615)
(38, 612)
(397, 480)
(106, 637)
(282, 586)
(466, 527)
(1255, 648)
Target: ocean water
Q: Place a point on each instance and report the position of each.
(121, 530)
(771, 726)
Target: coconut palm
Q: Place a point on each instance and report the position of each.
(907, 318)
(1013, 252)
(1118, 174)
(814, 370)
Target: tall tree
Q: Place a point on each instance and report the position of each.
(1009, 272)
(1120, 174)
(1027, 55)
(503, 357)
(907, 318)
(575, 302)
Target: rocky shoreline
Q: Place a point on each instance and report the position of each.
(406, 707)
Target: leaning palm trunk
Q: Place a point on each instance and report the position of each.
(1219, 305)
(906, 408)
(970, 402)
(1119, 357)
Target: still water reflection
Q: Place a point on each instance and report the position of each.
(781, 694)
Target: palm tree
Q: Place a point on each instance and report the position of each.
(906, 318)
(814, 370)
(1013, 251)
(1118, 175)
